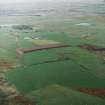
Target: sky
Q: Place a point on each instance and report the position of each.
(19, 1)
(15, 1)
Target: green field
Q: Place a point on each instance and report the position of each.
(58, 95)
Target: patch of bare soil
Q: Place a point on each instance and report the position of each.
(6, 64)
(92, 48)
(97, 18)
(96, 92)
(21, 100)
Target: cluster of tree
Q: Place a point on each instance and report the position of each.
(22, 27)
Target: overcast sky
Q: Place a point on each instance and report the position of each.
(16, 1)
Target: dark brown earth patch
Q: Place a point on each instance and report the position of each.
(6, 64)
(92, 48)
(96, 92)
(21, 100)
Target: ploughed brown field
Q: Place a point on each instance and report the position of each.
(95, 92)
(6, 64)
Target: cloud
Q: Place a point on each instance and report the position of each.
(16, 1)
